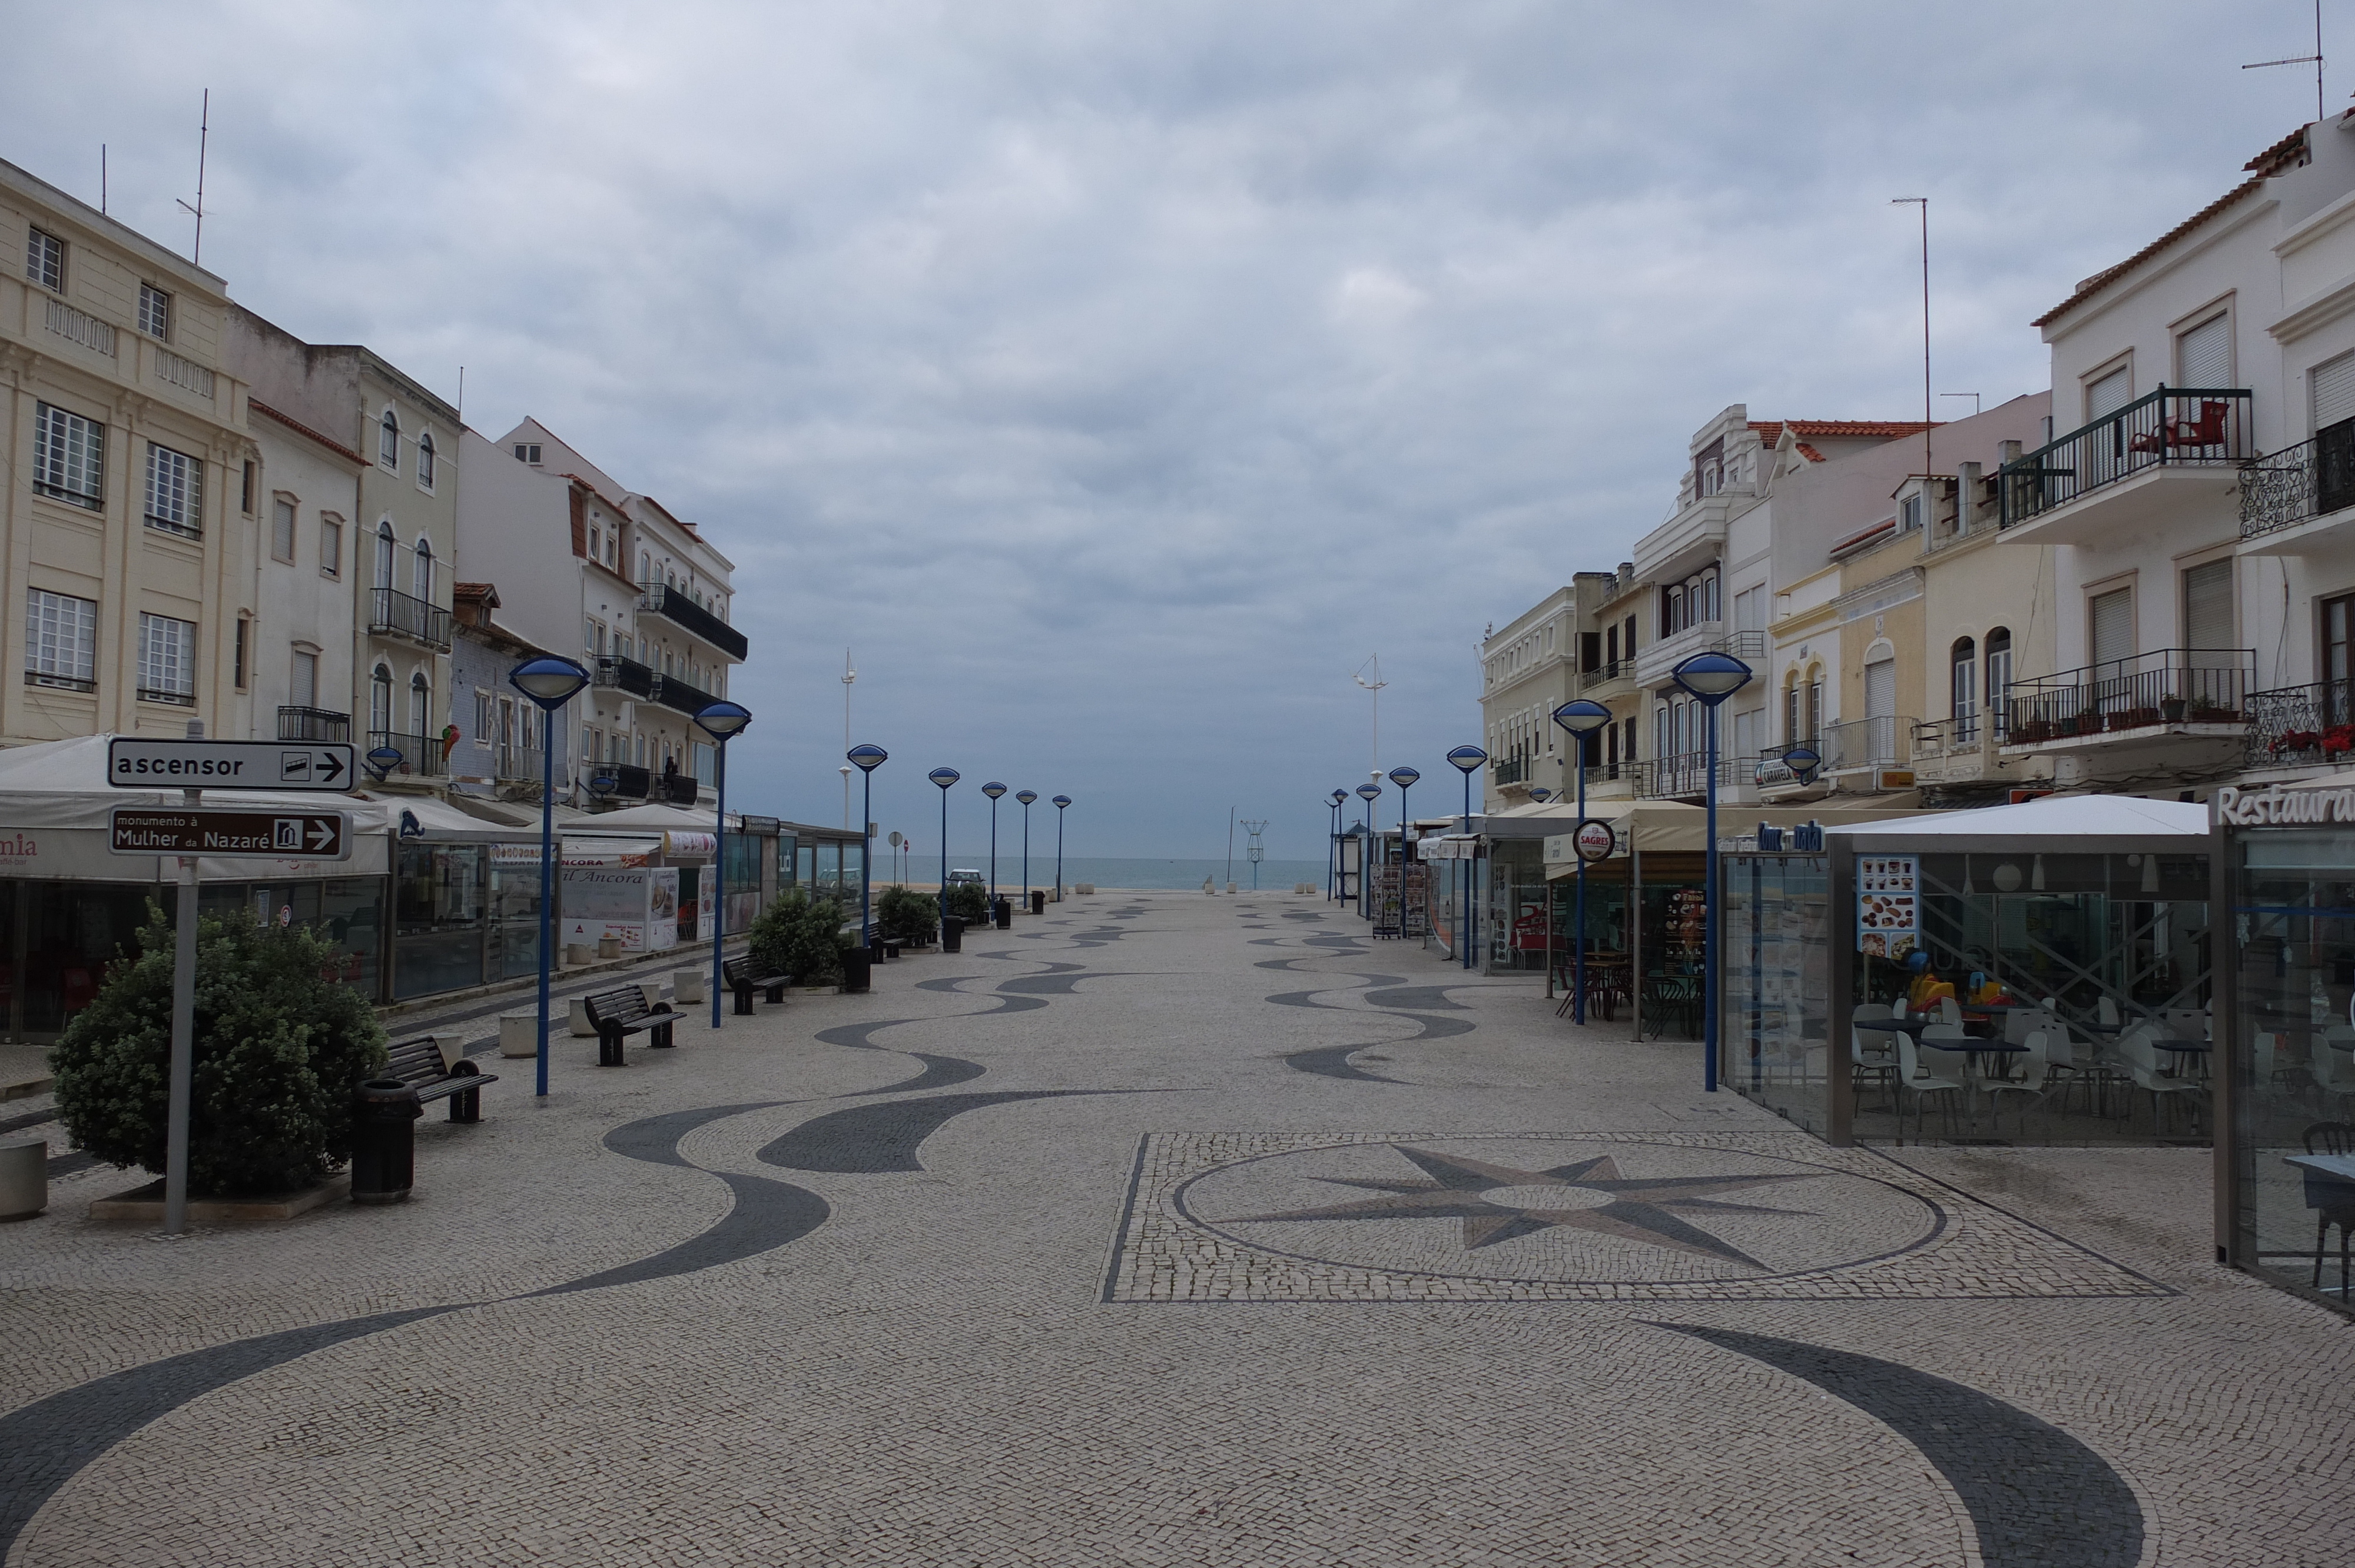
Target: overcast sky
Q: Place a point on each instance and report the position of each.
(1114, 377)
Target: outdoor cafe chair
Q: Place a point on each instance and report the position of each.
(1876, 1066)
(2035, 1071)
(1912, 1079)
(2141, 1060)
(1949, 1011)
(2333, 1202)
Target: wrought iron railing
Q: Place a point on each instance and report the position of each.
(314, 724)
(669, 602)
(1603, 674)
(674, 691)
(1510, 771)
(1750, 647)
(677, 789)
(630, 783)
(2309, 480)
(1687, 773)
(1882, 740)
(626, 676)
(2173, 426)
(2302, 723)
(2167, 685)
(398, 614)
(421, 754)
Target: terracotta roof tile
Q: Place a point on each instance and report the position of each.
(1770, 431)
(333, 445)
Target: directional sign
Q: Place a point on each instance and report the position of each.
(229, 764)
(273, 835)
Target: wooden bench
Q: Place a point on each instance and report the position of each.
(419, 1063)
(621, 1012)
(738, 973)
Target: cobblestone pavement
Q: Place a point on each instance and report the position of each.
(1173, 1229)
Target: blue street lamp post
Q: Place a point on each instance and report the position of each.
(868, 758)
(1062, 804)
(993, 789)
(1468, 758)
(1712, 678)
(721, 721)
(1581, 718)
(1333, 846)
(1403, 777)
(944, 777)
(1371, 853)
(550, 682)
(1028, 797)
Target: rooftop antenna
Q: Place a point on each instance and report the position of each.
(2313, 60)
(204, 139)
(1370, 675)
(1928, 468)
(101, 179)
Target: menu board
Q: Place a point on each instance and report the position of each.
(1888, 905)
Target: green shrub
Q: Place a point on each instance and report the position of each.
(279, 1046)
(800, 935)
(909, 915)
(969, 902)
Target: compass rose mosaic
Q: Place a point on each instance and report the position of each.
(1568, 1216)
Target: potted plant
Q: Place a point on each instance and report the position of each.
(2210, 715)
(2171, 709)
(907, 915)
(2134, 718)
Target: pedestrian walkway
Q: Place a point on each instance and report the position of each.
(1173, 1229)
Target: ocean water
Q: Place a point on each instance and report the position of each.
(1275, 876)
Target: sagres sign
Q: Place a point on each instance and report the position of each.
(2278, 807)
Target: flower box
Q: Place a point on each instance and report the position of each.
(2134, 718)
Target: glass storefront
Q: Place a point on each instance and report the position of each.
(439, 909)
(743, 884)
(1773, 1032)
(2293, 991)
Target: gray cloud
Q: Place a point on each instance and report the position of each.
(1114, 377)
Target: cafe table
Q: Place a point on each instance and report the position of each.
(2330, 1190)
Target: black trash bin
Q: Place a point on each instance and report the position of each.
(384, 1141)
(1005, 912)
(856, 964)
(953, 932)
(1038, 901)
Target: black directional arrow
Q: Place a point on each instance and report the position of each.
(331, 766)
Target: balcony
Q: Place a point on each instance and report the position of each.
(628, 675)
(314, 724)
(1854, 746)
(392, 613)
(1961, 750)
(676, 788)
(1603, 674)
(421, 756)
(1511, 770)
(629, 783)
(2154, 697)
(517, 764)
(1686, 775)
(2299, 726)
(2171, 456)
(661, 598)
(673, 692)
(2302, 496)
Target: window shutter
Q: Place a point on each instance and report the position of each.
(2333, 386)
(1880, 688)
(2110, 394)
(2112, 630)
(2204, 354)
(2208, 606)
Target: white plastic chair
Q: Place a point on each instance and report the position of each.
(2035, 1069)
(2334, 1065)
(2140, 1058)
(1949, 1011)
(1911, 1077)
(2105, 1012)
(1877, 1067)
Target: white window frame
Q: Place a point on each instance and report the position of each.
(175, 492)
(428, 461)
(388, 441)
(294, 662)
(331, 544)
(61, 640)
(284, 514)
(167, 659)
(45, 260)
(69, 457)
(155, 313)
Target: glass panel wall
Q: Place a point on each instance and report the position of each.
(72, 931)
(1772, 1028)
(514, 912)
(2294, 1043)
(439, 918)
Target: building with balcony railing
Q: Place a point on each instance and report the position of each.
(314, 725)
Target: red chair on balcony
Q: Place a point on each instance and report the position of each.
(2207, 430)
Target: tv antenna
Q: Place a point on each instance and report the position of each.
(850, 676)
(204, 140)
(2313, 60)
(1370, 675)
(1255, 852)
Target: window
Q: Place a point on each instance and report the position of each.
(482, 717)
(175, 491)
(2208, 606)
(236, 664)
(421, 570)
(2332, 386)
(167, 659)
(2110, 628)
(596, 543)
(380, 700)
(426, 461)
(1689, 603)
(2109, 394)
(1750, 610)
(61, 641)
(1909, 514)
(1708, 470)
(421, 705)
(245, 491)
(282, 530)
(2203, 355)
(384, 554)
(527, 451)
(1964, 668)
(647, 566)
(69, 457)
(302, 680)
(44, 260)
(155, 312)
(592, 634)
(1998, 678)
(331, 546)
(588, 747)
(388, 441)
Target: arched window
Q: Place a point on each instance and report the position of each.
(423, 573)
(384, 554)
(645, 569)
(380, 700)
(387, 441)
(425, 460)
(1963, 663)
(421, 705)
(1997, 683)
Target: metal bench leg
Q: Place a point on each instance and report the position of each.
(466, 1105)
(743, 1001)
(609, 1048)
(662, 1039)
(777, 994)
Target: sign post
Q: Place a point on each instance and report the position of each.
(197, 765)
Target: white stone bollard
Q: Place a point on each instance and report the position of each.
(608, 949)
(520, 1033)
(580, 1024)
(686, 986)
(23, 1179)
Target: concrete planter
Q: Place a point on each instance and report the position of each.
(686, 986)
(608, 949)
(576, 954)
(520, 1033)
(23, 1179)
(580, 1025)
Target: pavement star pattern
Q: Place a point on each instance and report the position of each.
(1635, 1209)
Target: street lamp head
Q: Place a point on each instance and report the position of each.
(1338, 796)
(548, 680)
(1061, 801)
(944, 777)
(868, 757)
(1539, 793)
(1712, 677)
(993, 789)
(1369, 791)
(723, 720)
(603, 784)
(1025, 796)
(1403, 777)
(1802, 760)
(1467, 758)
(383, 760)
(1580, 717)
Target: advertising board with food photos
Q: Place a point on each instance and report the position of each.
(1888, 905)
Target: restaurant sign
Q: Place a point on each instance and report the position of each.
(2275, 807)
